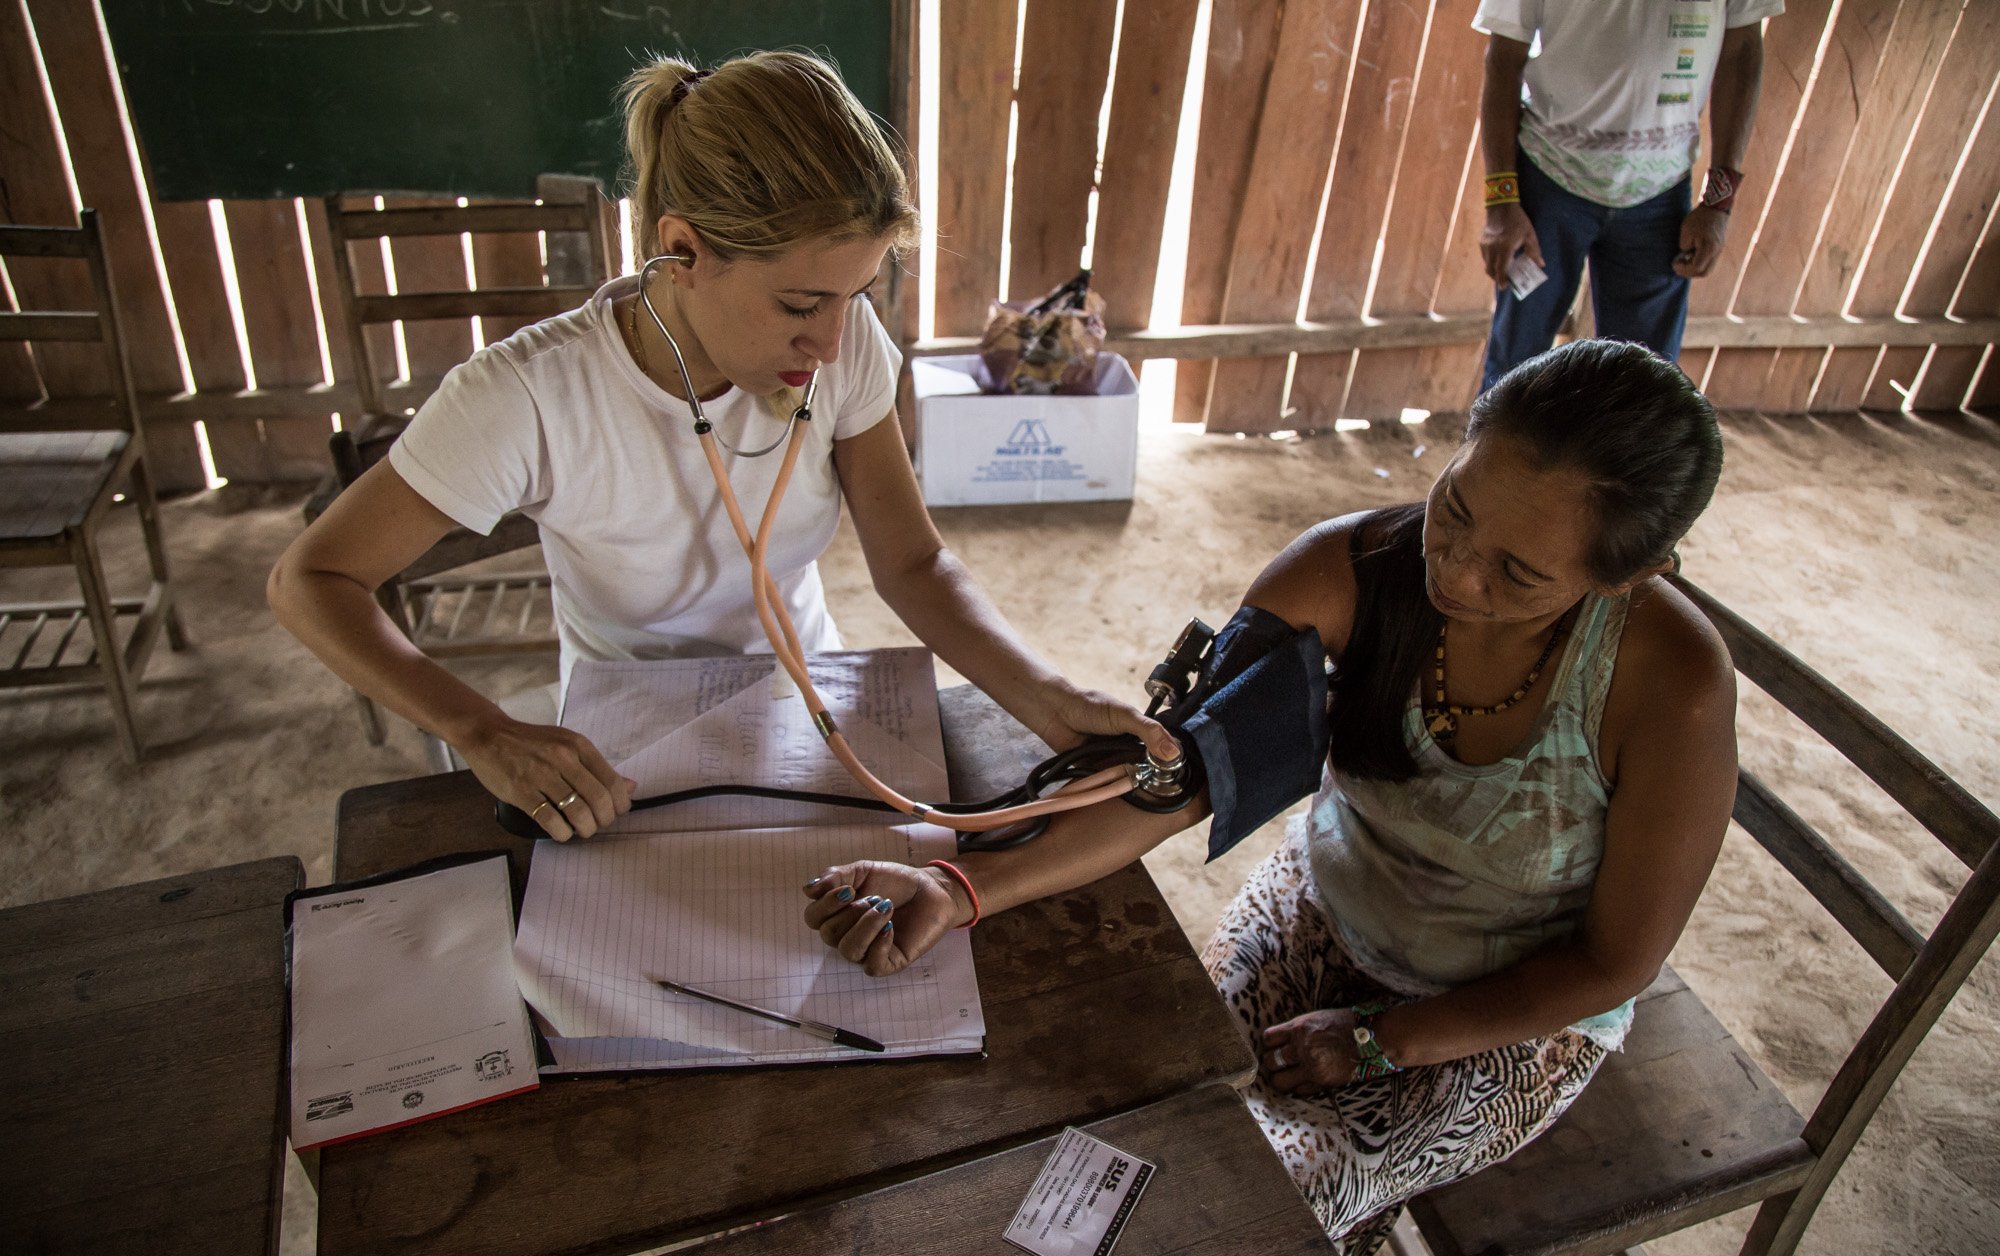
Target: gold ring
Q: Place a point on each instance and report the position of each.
(564, 804)
(537, 811)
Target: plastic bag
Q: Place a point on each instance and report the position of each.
(1050, 346)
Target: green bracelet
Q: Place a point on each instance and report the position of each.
(1372, 1062)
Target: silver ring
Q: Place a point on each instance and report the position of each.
(564, 804)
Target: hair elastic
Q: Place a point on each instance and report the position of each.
(686, 85)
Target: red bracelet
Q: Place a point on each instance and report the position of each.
(1719, 188)
(960, 877)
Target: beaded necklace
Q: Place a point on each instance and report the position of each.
(1444, 715)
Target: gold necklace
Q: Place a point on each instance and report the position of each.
(1444, 720)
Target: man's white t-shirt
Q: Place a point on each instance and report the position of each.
(1611, 104)
(558, 422)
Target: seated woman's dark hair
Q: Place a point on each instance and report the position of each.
(1628, 420)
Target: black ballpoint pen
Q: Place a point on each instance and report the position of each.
(844, 1037)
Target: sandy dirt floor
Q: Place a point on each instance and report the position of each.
(1867, 544)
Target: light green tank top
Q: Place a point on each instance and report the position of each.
(1462, 871)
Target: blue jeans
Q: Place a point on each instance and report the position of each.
(1634, 291)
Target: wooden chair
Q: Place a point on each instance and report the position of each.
(63, 465)
(456, 616)
(1683, 1126)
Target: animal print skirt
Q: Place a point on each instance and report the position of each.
(1357, 1153)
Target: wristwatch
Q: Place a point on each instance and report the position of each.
(1371, 1062)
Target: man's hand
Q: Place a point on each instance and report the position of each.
(1506, 233)
(1702, 234)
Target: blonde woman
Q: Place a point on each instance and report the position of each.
(770, 199)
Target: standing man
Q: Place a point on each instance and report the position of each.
(1592, 160)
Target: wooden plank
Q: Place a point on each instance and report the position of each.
(1379, 99)
(1775, 269)
(271, 283)
(1432, 331)
(1905, 86)
(1869, 918)
(371, 277)
(1065, 64)
(342, 354)
(79, 68)
(1447, 379)
(1985, 395)
(1242, 39)
(144, 1033)
(37, 193)
(505, 260)
(1443, 121)
(976, 57)
(1274, 232)
(1960, 271)
(1680, 1126)
(434, 263)
(421, 308)
(1950, 121)
(1222, 1191)
(1146, 94)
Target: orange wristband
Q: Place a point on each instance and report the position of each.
(963, 880)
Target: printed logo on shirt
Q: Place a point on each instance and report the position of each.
(1687, 26)
(1684, 60)
(1674, 98)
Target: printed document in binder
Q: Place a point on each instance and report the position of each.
(708, 893)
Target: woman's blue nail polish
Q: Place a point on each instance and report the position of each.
(810, 884)
(889, 926)
(883, 905)
(846, 893)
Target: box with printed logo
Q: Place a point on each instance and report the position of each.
(977, 449)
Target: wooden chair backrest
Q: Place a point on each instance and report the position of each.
(1927, 970)
(98, 325)
(584, 218)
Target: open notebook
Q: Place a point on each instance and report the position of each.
(707, 893)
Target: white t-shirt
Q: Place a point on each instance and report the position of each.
(1611, 104)
(558, 422)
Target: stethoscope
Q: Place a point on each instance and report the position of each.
(1100, 769)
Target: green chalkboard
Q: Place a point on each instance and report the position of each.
(263, 98)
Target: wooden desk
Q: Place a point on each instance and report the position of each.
(1095, 1004)
(1220, 1191)
(142, 1034)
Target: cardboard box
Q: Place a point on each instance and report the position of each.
(977, 449)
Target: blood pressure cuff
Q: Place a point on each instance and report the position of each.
(1256, 723)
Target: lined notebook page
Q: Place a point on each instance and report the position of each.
(722, 912)
(674, 724)
(708, 893)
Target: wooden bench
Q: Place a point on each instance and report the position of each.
(1683, 1125)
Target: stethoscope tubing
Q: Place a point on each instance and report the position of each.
(1097, 786)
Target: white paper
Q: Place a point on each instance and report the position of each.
(676, 724)
(1081, 1200)
(404, 1003)
(1524, 276)
(722, 912)
(709, 893)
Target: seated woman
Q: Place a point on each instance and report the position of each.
(769, 198)
(1532, 763)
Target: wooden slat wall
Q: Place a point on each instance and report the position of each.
(1867, 113)
(1873, 177)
